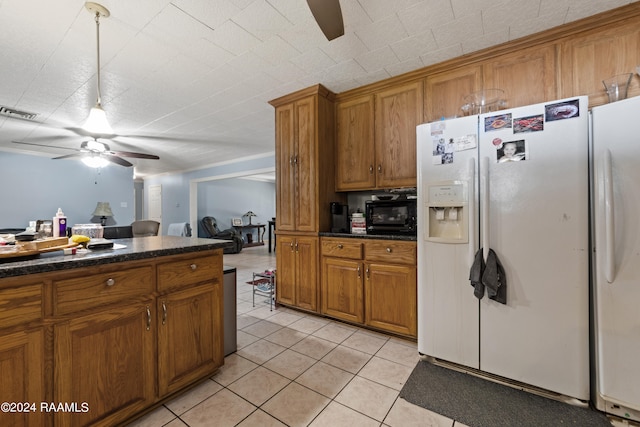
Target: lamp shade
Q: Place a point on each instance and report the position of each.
(97, 121)
(102, 209)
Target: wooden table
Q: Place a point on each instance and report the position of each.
(249, 235)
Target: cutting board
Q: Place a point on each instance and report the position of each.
(49, 242)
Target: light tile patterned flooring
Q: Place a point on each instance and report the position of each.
(294, 369)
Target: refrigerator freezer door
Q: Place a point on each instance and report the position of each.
(538, 226)
(447, 310)
(617, 264)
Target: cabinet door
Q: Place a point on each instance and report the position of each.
(617, 49)
(527, 76)
(390, 292)
(306, 284)
(305, 189)
(342, 289)
(285, 169)
(286, 268)
(22, 373)
(190, 342)
(398, 112)
(107, 360)
(355, 158)
(445, 92)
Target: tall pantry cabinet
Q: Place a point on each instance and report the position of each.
(305, 186)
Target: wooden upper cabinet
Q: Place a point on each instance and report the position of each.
(295, 153)
(445, 92)
(398, 112)
(616, 50)
(305, 188)
(305, 160)
(527, 76)
(285, 172)
(355, 157)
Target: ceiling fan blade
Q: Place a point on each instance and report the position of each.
(135, 155)
(86, 133)
(117, 160)
(328, 15)
(67, 156)
(46, 146)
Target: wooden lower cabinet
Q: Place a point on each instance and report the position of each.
(297, 266)
(391, 298)
(187, 350)
(100, 345)
(342, 289)
(106, 361)
(22, 373)
(371, 282)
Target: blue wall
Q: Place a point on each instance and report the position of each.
(231, 198)
(34, 187)
(214, 198)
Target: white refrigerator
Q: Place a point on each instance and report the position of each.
(514, 181)
(616, 266)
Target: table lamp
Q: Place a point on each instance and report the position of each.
(103, 210)
(249, 214)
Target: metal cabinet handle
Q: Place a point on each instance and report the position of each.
(296, 246)
(148, 318)
(111, 282)
(164, 313)
(371, 169)
(340, 246)
(291, 246)
(389, 250)
(379, 168)
(367, 273)
(359, 276)
(193, 266)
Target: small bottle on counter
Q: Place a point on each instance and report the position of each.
(59, 224)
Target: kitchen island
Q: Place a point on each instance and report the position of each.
(101, 337)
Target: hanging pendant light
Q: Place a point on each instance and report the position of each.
(97, 122)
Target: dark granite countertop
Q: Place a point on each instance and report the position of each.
(370, 236)
(135, 249)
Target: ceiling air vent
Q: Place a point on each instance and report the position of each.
(12, 112)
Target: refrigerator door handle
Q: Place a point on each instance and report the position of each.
(472, 211)
(609, 225)
(484, 206)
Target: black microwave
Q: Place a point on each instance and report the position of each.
(391, 216)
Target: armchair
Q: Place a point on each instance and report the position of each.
(210, 225)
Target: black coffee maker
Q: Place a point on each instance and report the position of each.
(339, 218)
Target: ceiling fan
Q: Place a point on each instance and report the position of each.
(94, 153)
(328, 15)
(97, 154)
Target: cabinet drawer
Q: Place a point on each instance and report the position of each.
(342, 248)
(188, 271)
(20, 305)
(88, 291)
(391, 252)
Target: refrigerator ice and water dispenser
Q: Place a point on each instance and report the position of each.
(446, 208)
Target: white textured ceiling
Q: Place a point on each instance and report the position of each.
(190, 80)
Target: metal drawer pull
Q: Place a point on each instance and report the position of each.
(193, 266)
(110, 282)
(148, 318)
(359, 272)
(164, 313)
(389, 250)
(340, 246)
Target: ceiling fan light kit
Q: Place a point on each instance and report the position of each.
(95, 160)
